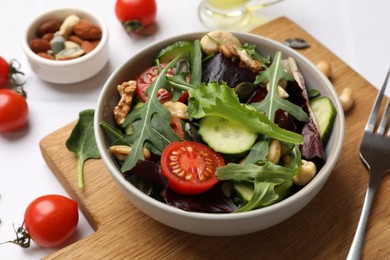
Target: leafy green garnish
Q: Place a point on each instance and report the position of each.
(113, 133)
(258, 152)
(151, 123)
(252, 51)
(265, 176)
(82, 142)
(179, 81)
(273, 102)
(196, 64)
(214, 99)
(253, 172)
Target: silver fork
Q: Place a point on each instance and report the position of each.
(375, 154)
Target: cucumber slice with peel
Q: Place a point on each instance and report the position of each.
(226, 136)
(172, 51)
(325, 114)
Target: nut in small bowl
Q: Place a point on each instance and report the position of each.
(66, 45)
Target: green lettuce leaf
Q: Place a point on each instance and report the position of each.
(214, 99)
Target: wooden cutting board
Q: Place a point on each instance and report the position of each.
(322, 230)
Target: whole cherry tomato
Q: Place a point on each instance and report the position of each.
(51, 219)
(4, 71)
(190, 167)
(136, 14)
(8, 71)
(13, 110)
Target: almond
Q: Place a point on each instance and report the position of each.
(48, 36)
(46, 55)
(75, 39)
(40, 45)
(87, 30)
(87, 46)
(50, 26)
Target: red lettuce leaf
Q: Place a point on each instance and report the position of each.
(312, 147)
(149, 171)
(212, 201)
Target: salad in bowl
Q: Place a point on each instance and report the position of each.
(218, 126)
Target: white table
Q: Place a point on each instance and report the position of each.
(355, 30)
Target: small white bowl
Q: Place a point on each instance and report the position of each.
(66, 71)
(213, 224)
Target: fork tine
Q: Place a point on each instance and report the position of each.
(372, 119)
(382, 124)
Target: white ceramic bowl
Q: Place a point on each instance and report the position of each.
(66, 71)
(208, 223)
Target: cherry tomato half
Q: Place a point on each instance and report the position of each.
(136, 14)
(4, 71)
(51, 219)
(13, 110)
(146, 78)
(190, 167)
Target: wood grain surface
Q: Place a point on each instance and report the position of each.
(322, 230)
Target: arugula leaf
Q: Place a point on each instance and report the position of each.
(214, 99)
(267, 172)
(258, 152)
(251, 49)
(270, 181)
(82, 142)
(179, 81)
(273, 102)
(265, 178)
(264, 194)
(151, 123)
(196, 64)
(112, 132)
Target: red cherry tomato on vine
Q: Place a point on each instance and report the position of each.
(13, 110)
(51, 219)
(4, 71)
(190, 167)
(146, 78)
(9, 71)
(136, 14)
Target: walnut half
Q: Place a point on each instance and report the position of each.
(127, 91)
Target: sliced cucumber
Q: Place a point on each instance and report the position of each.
(225, 136)
(325, 114)
(172, 51)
